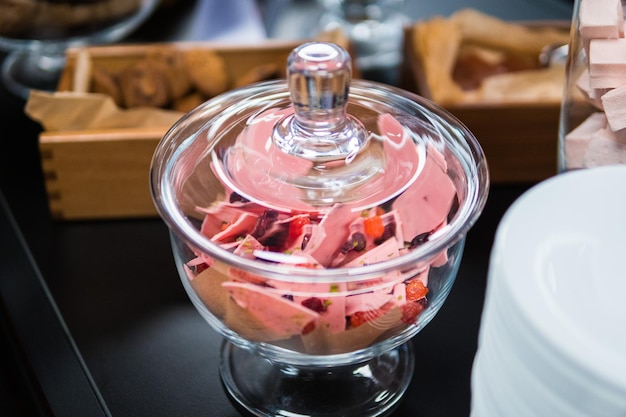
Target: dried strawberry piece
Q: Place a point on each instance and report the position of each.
(411, 311)
(296, 229)
(296, 226)
(360, 317)
(374, 226)
(415, 289)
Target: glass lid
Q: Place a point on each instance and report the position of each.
(319, 170)
(311, 153)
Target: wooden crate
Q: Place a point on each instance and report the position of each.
(100, 174)
(519, 139)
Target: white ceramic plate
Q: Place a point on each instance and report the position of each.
(560, 257)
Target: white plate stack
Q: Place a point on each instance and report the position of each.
(553, 332)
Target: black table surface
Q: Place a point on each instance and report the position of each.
(95, 321)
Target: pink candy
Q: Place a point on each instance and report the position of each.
(607, 63)
(577, 141)
(601, 138)
(614, 104)
(601, 19)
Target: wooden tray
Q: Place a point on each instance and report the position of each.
(519, 139)
(99, 174)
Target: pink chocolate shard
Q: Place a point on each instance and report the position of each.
(358, 226)
(281, 316)
(331, 233)
(426, 204)
(607, 63)
(216, 216)
(383, 252)
(399, 294)
(241, 226)
(256, 149)
(441, 259)
(319, 341)
(331, 296)
(614, 104)
(577, 141)
(247, 246)
(207, 286)
(606, 148)
(600, 19)
(367, 301)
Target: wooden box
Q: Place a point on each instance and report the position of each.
(104, 173)
(519, 139)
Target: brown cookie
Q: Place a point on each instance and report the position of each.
(174, 66)
(207, 71)
(144, 84)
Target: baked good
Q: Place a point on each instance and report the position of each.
(207, 71)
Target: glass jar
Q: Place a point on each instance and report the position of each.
(592, 129)
(318, 225)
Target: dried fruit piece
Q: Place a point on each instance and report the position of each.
(374, 226)
(411, 311)
(357, 243)
(415, 290)
(179, 83)
(314, 303)
(297, 225)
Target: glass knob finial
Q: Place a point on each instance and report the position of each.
(320, 129)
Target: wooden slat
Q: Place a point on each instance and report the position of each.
(98, 175)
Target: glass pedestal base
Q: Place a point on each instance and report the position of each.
(261, 387)
(26, 70)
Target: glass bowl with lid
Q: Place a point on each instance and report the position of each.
(318, 224)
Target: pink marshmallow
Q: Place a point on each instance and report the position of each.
(577, 141)
(606, 148)
(594, 95)
(600, 19)
(607, 63)
(614, 104)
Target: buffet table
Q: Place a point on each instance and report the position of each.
(95, 321)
